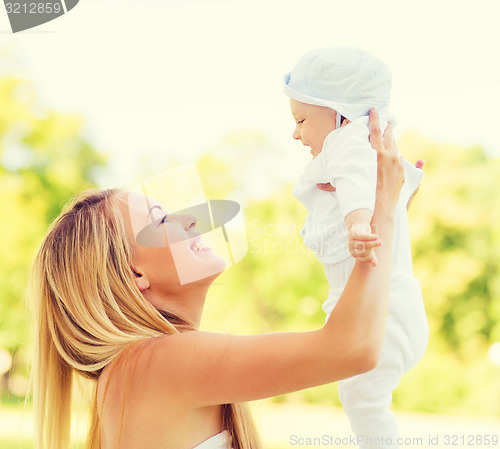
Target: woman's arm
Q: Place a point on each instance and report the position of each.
(367, 291)
(196, 369)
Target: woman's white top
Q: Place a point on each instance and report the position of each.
(220, 441)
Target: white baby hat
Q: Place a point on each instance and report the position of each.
(349, 80)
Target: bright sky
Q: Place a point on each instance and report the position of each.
(167, 79)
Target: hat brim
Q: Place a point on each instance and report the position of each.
(347, 110)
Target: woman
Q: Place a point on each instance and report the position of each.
(113, 310)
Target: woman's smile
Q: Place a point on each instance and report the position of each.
(198, 245)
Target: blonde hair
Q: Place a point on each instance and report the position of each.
(88, 309)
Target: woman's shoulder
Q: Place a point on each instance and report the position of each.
(141, 377)
(155, 359)
(120, 367)
(140, 389)
(135, 362)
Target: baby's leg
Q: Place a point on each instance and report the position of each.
(337, 275)
(366, 398)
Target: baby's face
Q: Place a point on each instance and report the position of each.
(313, 124)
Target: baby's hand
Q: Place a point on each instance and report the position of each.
(362, 243)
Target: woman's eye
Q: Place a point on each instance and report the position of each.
(163, 220)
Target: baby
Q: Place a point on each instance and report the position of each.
(331, 93)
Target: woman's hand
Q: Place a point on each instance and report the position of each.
(390, 168)
(390, 171)
(419, 164)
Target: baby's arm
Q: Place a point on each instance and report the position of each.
(351, 167)
(361, 240)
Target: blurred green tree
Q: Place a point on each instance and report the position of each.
(456, 242)
(44, 160)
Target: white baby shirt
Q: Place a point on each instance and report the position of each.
(349, 163)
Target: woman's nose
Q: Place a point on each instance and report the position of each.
(185, 220)
(189, 221)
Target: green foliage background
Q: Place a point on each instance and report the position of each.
(279, 285)
(45, 160)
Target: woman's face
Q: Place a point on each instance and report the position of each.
(168, 249)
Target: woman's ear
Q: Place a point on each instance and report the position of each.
(140, 280)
